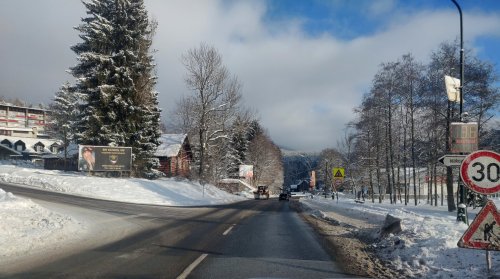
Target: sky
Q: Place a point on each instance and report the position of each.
(426, 247)
(304, 65)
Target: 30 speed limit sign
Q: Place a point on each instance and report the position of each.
(480, 171)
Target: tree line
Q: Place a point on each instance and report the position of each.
(113, 101)
(402, 125)
(223, 132)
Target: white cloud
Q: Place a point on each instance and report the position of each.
(303, 87)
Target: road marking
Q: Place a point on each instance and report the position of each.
(192, 266)
(229, 229)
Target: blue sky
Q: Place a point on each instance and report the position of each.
(304, 65)
(351, 19)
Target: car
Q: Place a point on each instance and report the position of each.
(283, 196)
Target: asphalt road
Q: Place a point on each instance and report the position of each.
(250, 239)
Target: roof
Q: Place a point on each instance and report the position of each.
(72, 151)
(170, 145)
(31, 142)
(15, 152)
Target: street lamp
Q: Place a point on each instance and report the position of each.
(462, 209)
(461, 58)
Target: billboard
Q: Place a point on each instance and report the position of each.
(463, 137)
(246, 171)
(312, 182)
(104, 158)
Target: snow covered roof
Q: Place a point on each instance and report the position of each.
(72, 151)
(9, 150)
(170, 145)
(31, 142)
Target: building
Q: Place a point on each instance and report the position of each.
(174, 153)
(22, 133)
(18, 121)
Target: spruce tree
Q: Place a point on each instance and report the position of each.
(64, 113)
(115, 77)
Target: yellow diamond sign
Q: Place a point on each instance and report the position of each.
(338, 173)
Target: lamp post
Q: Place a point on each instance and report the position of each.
(462, 209)
(461, 58)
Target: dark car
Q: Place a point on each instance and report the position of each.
(283, 196)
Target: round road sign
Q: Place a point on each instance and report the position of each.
(480, 171)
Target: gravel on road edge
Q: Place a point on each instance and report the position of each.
(348, 246)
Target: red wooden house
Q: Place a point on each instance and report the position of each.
(174, 153)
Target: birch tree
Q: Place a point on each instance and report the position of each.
(213, 106)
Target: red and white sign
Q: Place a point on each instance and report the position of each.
(480, 171)
(484, 232)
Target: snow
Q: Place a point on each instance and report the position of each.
(427, 247)
(27, 228)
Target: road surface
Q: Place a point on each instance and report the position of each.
(250, 239)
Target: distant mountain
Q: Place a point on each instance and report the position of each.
(287, 152)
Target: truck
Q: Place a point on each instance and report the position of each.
(261, 193)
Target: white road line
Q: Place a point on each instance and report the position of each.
(228, 230)
(192, 266)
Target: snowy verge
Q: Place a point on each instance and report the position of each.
(164, 191)
(427, 246)
(26, 227)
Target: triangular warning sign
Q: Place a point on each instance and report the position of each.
(484, 232)
(338, 174)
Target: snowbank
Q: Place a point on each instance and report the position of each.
(426, 248)
(26, 227)
(164, 191)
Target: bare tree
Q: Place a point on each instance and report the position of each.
(266, 159)
(206, 115)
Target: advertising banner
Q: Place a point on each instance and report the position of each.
(312, 182)
(104, 158)
(246, 171)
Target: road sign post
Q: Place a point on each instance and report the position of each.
(452, 160)
(338, 179)
(480, 171)
(484, 232)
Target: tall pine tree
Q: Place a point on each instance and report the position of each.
(115, 77)
(64, 115)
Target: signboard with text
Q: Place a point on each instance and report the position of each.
(452, 160)
(104, 158)
(463, 137)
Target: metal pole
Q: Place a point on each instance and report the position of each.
(461, 58)
(462, 211)
(488, 260)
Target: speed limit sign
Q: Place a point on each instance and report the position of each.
(480, 171)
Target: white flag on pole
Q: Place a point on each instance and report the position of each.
(452, 88)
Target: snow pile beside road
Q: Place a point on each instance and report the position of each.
(26, 227)
(164, 191)
(427, 246)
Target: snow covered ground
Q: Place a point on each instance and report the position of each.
(427, 247)
(28, 228)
